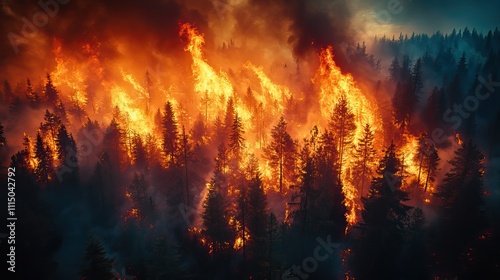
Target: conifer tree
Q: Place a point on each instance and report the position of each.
(96, 264)
(461, 199)
(364, 159)
(281, 153)
(51, 93)
(67, 154)
(44, 171)
(170, 135)
(139, 153)
(186, 153)
(216, 216)
(32, 96)
(381, 233)
(342, 125)
(236, 141)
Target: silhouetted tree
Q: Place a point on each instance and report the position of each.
(364, 159)
(281, 153)
(96, 264)
(44, 171)
(67, 155)
(216, 216)
(461, 200)
(170, 135)
(164, 261)
(376, 250)
(139, 154)
(186, 154)
(236, 142)
(51, 93)
(343, 126)
(32, 96)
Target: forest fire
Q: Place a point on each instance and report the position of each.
(262, 129)
(335, 86)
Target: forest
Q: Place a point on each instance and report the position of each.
(377, 161)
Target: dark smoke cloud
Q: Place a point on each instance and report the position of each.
(311, 23)
(152, 26)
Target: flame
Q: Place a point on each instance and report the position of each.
(273, 96)
(333, 84)
(459, 139)
(408, 152)
(213, 86)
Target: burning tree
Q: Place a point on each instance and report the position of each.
(281, 153)
(364, 157)
(343, 127)
(382, 231)
(170, 135)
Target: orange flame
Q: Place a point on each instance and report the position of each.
(333, 84)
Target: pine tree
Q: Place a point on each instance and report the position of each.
(153, 153)
(170, 135)
(32, 96)
(461, 200)
(456, 89)
(376, 251)
(432, 109)
(364, 159)
(16, 107)
(164, 261)
(139, 154)
(158, 120)
(199, 131)
(343, 127)
(96, 264)
(229, 116)
(138, 192)
(50, 127)
(114, 145)
(236, 141)
(407, 95)
(216, 216)
(395, 70)
(67, 155)
(44, 171)
(420, 155)
(186, 153)
(281, 153)
(431, 166)
(398, 103)
(257, 224)
(51, 93)
(219, 131)
(330, 195)
(8, 94)
(415, 88)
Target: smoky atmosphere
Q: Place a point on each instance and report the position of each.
(250, 139)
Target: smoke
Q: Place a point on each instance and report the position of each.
(146, 30)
